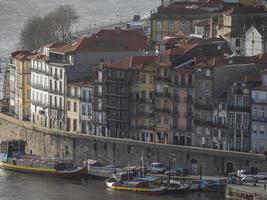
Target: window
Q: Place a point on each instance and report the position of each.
(254, 128)
(61, 73)
(83, 110)
(245, 119)
(75, 91)
(262, 129)
(89, 110)
(55, 98)
(183, 26)
(232, 118)
(75, 125)
(171, 24)
(238, 118)
(75, 107)
(158, 25)
(166, 120)
(60, 87)
(84, 94)
(143, 78)
(237, 42)
(60, 102)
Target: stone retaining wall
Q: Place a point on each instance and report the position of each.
(45, 142)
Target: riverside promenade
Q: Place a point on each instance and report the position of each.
(246, 192)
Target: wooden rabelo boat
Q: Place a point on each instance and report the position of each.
(125, 182)
(13, 157)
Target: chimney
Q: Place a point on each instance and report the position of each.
(117, 29)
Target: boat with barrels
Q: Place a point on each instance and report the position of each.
(13, 157)
(127, 182)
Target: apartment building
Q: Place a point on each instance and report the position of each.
(181, 17)
(239, 117)
(73, 106)
(259, 117)
(183, 96)
(20, 85)
(86, 107)
(234, 22)
(143, 98)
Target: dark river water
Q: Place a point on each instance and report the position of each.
(94, 13)
(17, 186)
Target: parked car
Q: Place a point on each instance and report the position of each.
(262, 176)
(242, 173)
(249, 179)
(157, 168)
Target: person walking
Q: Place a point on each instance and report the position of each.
(264, 184)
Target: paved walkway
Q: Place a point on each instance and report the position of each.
(259, 189)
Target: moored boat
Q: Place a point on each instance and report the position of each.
(128, 183)
(13, 157)
(177, 187)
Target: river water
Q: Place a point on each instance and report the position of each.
(93, 13)
(18, 186)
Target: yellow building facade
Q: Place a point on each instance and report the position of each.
(144, 118)
(73, 107)
(22, 86)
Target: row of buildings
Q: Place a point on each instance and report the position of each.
(178, 88)
(242, 24)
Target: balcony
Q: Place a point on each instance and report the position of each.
(40, 71)
(176, 98)
(181, 128)
(144, 127)
(72, 96)
(258, 119)
(211, 124)
(39, 103)
(162, 78)
(188, 115)
(39, 87)
(238, 108)
(55, 76)
(53, 107)
(203, 107)
(144, 100)
(259, 101)
(88, 100)
(163, 110)
(56, 92)
(203, 123)
(143, 114)
(188, 99)
(163, 94)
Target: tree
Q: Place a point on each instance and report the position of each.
(56, 26)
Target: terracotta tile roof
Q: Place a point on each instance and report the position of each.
(179, 50)
(39, 56)
(81, 83)
(54, 45)
(118, 32)
(133, 62)
(245, 10)
(13, 54)
(107, 40)
(191, 8)
(262, 58)
(21, 55)
(213, 61)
